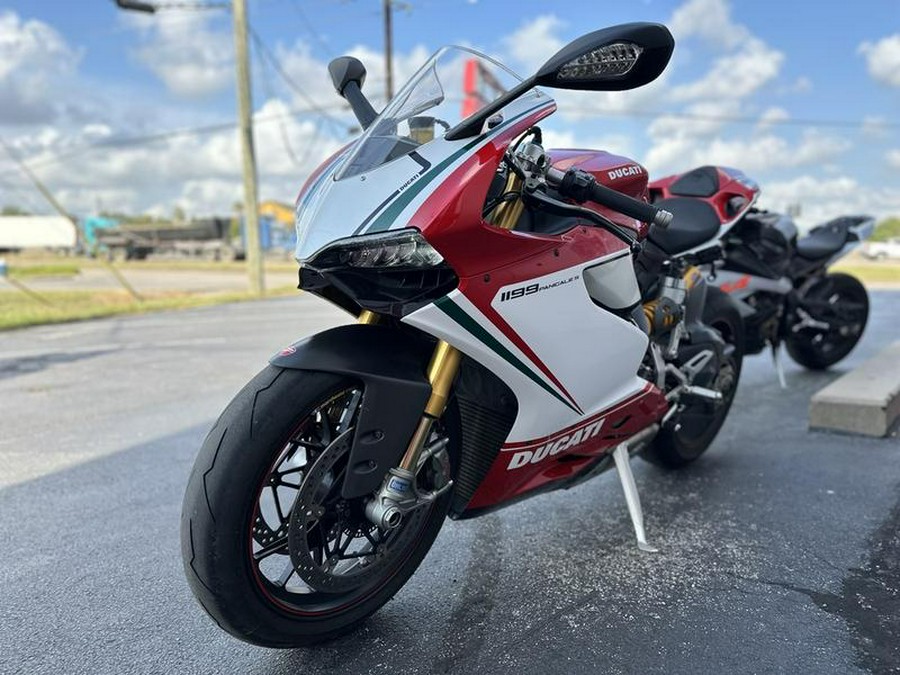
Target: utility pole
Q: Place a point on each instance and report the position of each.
(245, 111)
(388, 51)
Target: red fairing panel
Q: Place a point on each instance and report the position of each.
(521, 468)
(729, 187)
(486, 259)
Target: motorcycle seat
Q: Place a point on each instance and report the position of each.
(700, 182)
(824, 240)
(694, 223)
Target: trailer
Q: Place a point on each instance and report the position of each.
(209, 239)
(23, 232)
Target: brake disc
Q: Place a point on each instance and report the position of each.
(334, 548)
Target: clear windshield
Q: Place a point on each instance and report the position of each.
(452, 85)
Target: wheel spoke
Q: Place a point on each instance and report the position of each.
(275, 547)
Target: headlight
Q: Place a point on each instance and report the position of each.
(403, 248)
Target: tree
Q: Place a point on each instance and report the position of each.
(886, 229)
(14, 211)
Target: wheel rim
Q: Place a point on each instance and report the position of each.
(344, 527)
(701, 416)
(844, 309)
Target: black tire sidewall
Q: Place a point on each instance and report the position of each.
(804, 354)
(221, 497)
(668, 448)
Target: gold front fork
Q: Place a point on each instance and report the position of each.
(367, 316)
(441, 373)
(507, 214)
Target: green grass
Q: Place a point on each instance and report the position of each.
(18, 310)
(60, 269)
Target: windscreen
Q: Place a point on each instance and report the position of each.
(455, 83)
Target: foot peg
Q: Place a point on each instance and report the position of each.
(632, 499)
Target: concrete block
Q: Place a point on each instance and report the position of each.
(864, 401)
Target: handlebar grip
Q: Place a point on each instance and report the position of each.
(629, 206)
(582, 187)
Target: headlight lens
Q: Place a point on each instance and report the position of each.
(404, 248)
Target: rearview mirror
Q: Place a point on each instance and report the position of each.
(348, 75)
(613, 59)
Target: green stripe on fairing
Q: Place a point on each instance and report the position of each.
(395, 208)
(455, 312)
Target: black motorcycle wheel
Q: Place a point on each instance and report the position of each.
(839, 300)
(692, 431)
(236, 520)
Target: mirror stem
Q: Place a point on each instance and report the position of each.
(360, 105)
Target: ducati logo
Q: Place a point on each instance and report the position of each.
(630, 170)
(555, 446)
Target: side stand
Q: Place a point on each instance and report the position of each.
(632, 498)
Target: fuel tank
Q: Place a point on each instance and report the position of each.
(614, 171)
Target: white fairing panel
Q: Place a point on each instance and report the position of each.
(613, 283)
(387, 196)
(583, 359)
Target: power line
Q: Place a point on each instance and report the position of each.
(263, 49)
(738, 119)
(282, 127)
(304, 19)
(145, 139)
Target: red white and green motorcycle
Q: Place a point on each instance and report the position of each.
(521, 326)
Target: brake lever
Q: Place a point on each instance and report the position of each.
(534, 191)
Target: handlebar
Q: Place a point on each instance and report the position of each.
(583, 187)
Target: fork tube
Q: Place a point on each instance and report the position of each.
(367, 316)
(441, 373)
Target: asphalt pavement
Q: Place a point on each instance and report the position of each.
(779, 549)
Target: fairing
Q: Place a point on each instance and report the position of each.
(570, 362)
(370, 187)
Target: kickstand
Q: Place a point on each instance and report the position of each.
(632, 498)
(779, 366)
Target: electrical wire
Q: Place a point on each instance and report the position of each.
(263, 49)
(304, 19)
(129, 141)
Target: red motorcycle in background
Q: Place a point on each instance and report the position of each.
(779, 281)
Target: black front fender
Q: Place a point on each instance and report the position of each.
(391, 364)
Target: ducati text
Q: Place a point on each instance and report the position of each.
(630, 170)
(555, 446)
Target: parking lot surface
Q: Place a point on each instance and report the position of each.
(779, 549)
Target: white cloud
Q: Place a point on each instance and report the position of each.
(735, 75)
(883, 59)
(534, 42)
(33, 58)
(709, 20)
(822, 200)
(191, 57)
(755, 153)
(893, 158)
(771, 116)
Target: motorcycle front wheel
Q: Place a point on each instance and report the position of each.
(841, 302)
(271, 550)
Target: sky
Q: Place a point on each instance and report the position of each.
(127, 112)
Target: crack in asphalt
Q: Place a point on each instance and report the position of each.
(868, 599)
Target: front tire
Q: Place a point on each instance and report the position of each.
(223, 530)
(693, 430)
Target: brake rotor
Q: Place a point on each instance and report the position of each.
(334, 548)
